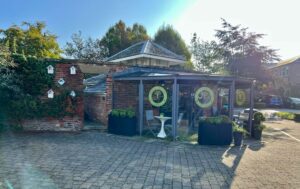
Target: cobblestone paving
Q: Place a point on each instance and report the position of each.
(99, 160)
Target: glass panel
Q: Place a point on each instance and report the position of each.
(157, 108)
(198, 100)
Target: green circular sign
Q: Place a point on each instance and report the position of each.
(158, 96)
(204, 97)
(240, 97)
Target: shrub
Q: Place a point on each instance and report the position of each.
(297, 117)
(259, 117)
(216, 120)
(123, 112)
(237, 128)
(285, 115)
(259, 127)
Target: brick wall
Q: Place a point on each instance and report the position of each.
(67, 123)
(95, 107)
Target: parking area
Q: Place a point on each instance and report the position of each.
(100, 160)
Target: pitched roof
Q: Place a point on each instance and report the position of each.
(146, 49)
(288, 61)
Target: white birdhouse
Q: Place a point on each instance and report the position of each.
(50, 69)
(72, 94)
(61, 81)
(50, 93)
(72, 70)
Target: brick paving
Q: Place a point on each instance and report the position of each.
(99, 160)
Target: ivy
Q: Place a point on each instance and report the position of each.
(34, 82)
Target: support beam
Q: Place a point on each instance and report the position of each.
(174, 108)
(251, 106)
(141, 106)
(231, 99)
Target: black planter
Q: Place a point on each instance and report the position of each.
(257, 134)
(122, 125)
(238, 138)
(214, 134)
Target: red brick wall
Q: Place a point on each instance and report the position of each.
(67, 123)
(95, 107)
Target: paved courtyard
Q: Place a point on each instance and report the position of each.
(99, 160)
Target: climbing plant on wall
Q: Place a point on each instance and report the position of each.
(31, 101)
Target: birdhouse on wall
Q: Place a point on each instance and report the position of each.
(50, 69)
(61, 81)
(72, 70)
(50, 93)
(72, 94)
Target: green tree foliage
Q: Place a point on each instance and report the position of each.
(236, 51)
(241, 52)
(88, 49)
(169, 38)
(206, 55)
(119, 37)
(31, 40)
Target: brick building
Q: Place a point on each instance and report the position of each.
(134, 72)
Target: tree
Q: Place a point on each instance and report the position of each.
(31, 39)
(169, 38)
(206, 55)
(88, 49)
(119, 37)
(241, 52)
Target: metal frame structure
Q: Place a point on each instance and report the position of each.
(176, 77)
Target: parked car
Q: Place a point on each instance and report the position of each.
(244, 114)
(293, 102)
(274, 101)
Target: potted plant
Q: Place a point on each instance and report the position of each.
(257, 131)
(238, 133)
(215, 131)
(258, 117)
(122, 122)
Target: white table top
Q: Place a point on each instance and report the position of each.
(163, 118)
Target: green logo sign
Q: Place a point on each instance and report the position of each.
(158, 96)
(204, 97)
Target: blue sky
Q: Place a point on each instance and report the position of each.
(92, 17)
(277, 19)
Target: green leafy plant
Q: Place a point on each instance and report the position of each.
(123, 112)
(297, 117)
(259, 127)
(237, 128)
(259, 117)
(285, 115)
(216, 120)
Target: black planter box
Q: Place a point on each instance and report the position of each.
(214, 134)
(238, 138)
(122, 125)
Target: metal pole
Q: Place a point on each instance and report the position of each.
(231, 99)
(141, 106)
(251, 106)
(174, 108)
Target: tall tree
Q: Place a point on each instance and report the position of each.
(85, 48)
(206, 55)
(241, 52)
(31, 39)
(119, 36)
(169, 38)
